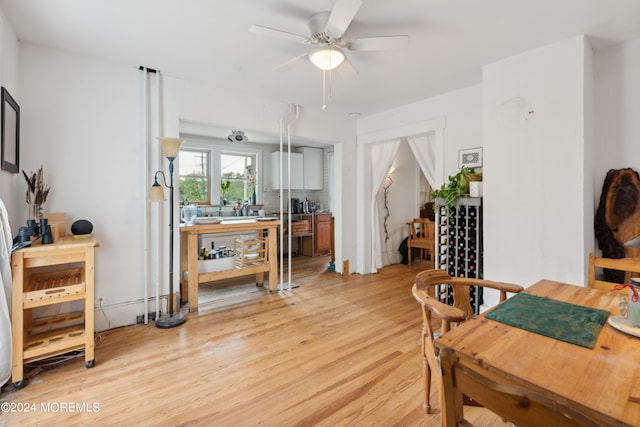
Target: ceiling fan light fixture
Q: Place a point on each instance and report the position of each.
(327, 57)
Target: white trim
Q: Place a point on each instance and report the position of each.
(416, 128)
(362, 207)
(338, 160)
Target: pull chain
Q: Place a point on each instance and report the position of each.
(324, 90)
(330, 84)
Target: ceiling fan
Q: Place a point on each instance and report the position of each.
(327, 31)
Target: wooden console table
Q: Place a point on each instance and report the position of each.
(189, 255)
(52, 274)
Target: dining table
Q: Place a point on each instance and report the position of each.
(601, 377)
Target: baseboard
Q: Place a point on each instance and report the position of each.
(109, 316)
(151, 316)
(391, 257)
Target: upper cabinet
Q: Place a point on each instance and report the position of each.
(306, 169)
(313, 168)
(297, 177)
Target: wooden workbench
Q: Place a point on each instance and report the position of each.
(189, 255)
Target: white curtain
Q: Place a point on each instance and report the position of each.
(382, 156)
(433, 131)
(6, 241)
(424, 148)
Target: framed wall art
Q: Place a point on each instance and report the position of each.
(471, 158)
(10, 133)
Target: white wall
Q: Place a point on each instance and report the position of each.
(537, 182)
(9, 78)
(346, 161)
(81, 120)
(461, 109)
(617, 110)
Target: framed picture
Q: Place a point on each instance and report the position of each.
(471, 158)
(10, 133)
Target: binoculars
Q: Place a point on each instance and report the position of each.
(35, 230)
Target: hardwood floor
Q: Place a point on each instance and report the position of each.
(335, 351)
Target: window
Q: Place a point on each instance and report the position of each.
(205, 167)
(238, 176)
(194, 175)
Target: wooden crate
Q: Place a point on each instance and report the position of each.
(41, 288)
(300, 227)
(250, 251)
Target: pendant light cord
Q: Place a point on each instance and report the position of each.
(324, 88)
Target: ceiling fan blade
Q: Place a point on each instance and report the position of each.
(347, 69)
(283, 35)
(378, 43)
(341, 16)
(292, 63)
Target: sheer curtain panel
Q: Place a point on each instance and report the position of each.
(382, 156)
(424, 148)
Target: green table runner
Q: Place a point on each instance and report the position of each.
(555, 319)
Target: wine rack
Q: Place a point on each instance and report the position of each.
(250, 251)
(459, 244)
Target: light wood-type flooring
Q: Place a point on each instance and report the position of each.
(335, 351)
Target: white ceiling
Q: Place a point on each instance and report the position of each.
(209, 41)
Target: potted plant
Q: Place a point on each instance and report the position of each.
(224, 189)
(457, 186)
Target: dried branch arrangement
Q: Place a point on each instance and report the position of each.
(37, 192)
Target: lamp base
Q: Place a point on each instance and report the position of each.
(167, 321)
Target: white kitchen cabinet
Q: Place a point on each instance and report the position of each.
(297, 176)
(313, 168)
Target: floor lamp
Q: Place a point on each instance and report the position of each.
(170, 150)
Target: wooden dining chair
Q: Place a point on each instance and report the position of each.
(421, 235)
(515, 403)
(424, 291)
(627, 266)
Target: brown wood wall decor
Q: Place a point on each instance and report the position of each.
(617, 218)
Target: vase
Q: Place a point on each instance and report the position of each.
(35, 212)
(253, 198)
(475, 188)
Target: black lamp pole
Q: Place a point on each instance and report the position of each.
(170, 320)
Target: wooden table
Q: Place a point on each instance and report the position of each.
(189, 255)
(605, 380)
